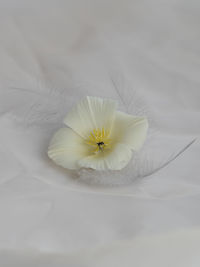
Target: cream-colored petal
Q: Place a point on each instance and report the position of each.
(129, 130)
(116, 159)
(91, 113)
(67, 147)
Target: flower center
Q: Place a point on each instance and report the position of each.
(99, 139)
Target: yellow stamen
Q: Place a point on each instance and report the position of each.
(99, 138)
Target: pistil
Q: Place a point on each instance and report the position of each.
(99, 139)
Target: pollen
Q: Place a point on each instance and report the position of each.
(99, 139)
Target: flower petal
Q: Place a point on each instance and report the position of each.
(67, 147)
(116, 159)
(129, 130)
(91, 113)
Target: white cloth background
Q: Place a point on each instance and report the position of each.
(51, 54)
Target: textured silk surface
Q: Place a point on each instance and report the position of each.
(53, 53)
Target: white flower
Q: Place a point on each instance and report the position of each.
(98, 137)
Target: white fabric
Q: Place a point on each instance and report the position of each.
(53, 53)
